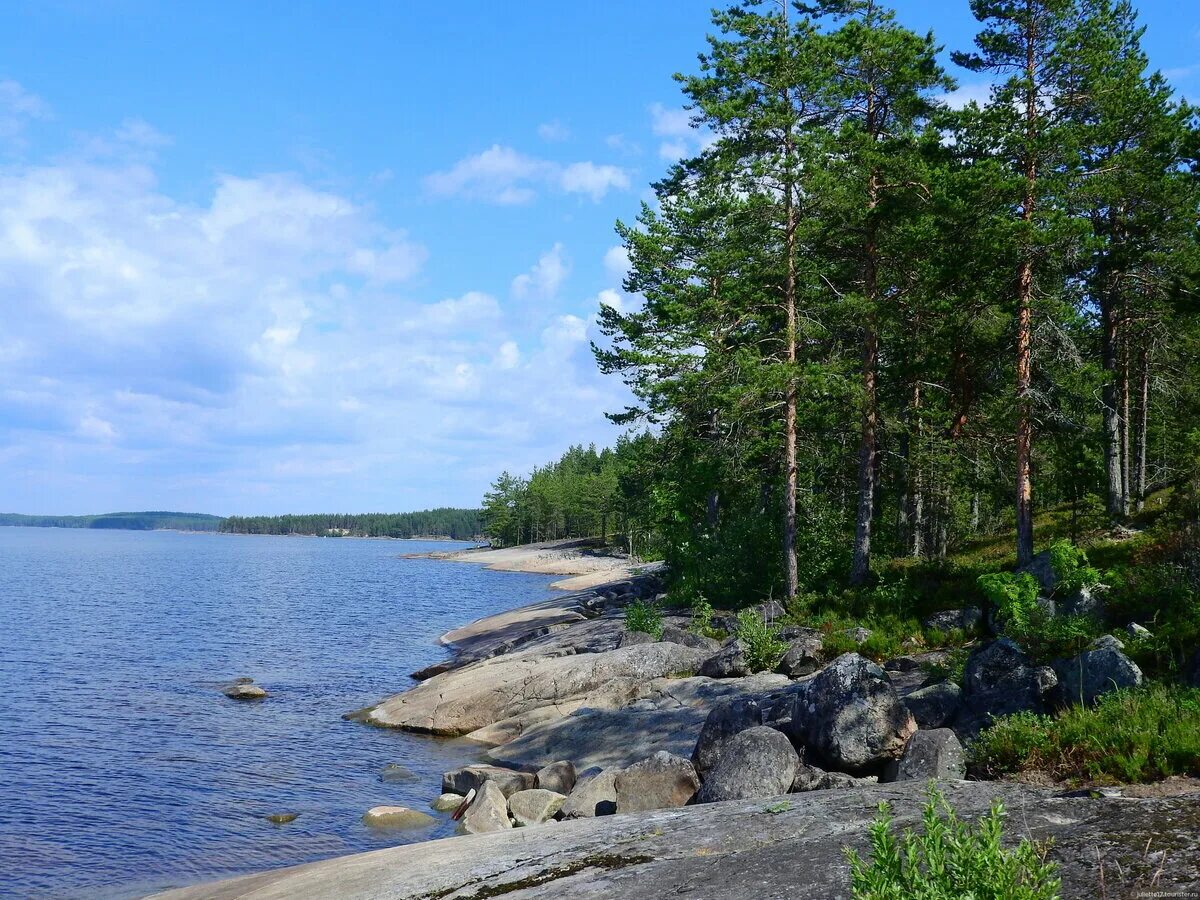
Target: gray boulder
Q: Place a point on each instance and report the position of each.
(659, 782)
(813, 778)
(1101, 668)
(466, 778)
(594, 794)
(534, 807)
(730, 661)
(394, 773)
(488, 811)
(676, 635)
(446, 802)
(935, 705)
(1041, 569)
(243, 690)
(724, 722)
(803, 656)
(1081, 602)
(850, 717)
(770, 611)
(1000, 679)
(633, 638)
(558, 776)
(1134, 630)
(966, 619)
(936, 753)
(757, 762)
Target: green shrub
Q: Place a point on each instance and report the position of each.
(1014, 596)
(764, 648)
(1135, 735)
(643, 615)
(1070, 565)
(702, 618)
(953, 668)
(950, 860)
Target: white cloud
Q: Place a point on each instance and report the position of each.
(95, 428)
(670, 122)
(964, 95)
(672, 151)
(609, 297)
(553, 131)
(508, 356)
(622, 145)
(18, 107)
(472, 309)
(504, 176)
(616, 262)
(544, 279)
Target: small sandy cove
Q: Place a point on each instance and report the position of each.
(585, 560)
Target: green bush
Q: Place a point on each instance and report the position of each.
(702, 618)
(950, 860)
(1070, 565)
(642, 615)
(764, 647)
(1014, 596)
(1135, 735)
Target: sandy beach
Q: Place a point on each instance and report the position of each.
(582, 559)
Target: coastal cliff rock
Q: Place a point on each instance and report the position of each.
(740, 851)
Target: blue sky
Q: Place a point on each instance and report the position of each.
(295, 256)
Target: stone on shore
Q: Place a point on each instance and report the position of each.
(633, 638)
(466, 699)
(447, 802)
(243, 690)
(813, 778)
(488, 811)
(935, 753)
(662, 781)
(1101, 668)
(558, 776)
(594, 794)
(724, 722)
(757, 762)
(731, 661)
(397, 817)
(677, 635)
(850, 717)
(936, 705)
(464, 779)
(534, 807)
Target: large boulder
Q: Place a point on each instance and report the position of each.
(964, 619)
(803, 656)
(677, 635)
(468, 778)
(558, 776)
(662, 781)
(463, 700)
(534, 807)
(1101, 668)
(936, 753)
(488, 811)
(999, 679)
(850, 717)
(724, 722)
(594, 794)
(731, 661)
(757, 762)
(935, 705)
(633, 638)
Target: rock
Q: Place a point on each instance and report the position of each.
(757, 762)
(1095, 671)
(558, 777)
(633, 638)
(534, 807)
(396, 774)
(462, 780)
(397, 817)
(965, 619)
(447, 802)
(486, 692)
(676, 635)
(1041, 569)
(662, 781)
(594, 794)
(858, 634)
(1134, 630)
(902, 664)
(429, 671)
(282, 818)
(724, 722)
(1081, 602)
(735, 851)
(1000, 679)
(936, 705)
(728, 662)
(812, 778)
(770, 611)
(488, 811)
(244, 690)
(936, 753)
(803, 656)
(850, 717)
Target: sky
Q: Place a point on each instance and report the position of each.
(273, 257)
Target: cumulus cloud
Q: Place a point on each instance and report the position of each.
(553, 131)
(964, 95)
(505, 176)
(543, 280)
(680, 137)
(616, 262)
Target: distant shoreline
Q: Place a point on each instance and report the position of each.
(586, 561)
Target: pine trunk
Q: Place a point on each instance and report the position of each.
(1111, 419)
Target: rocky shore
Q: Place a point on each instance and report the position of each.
(586, 561)
(613, 763)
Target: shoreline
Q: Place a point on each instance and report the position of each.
(584, 561)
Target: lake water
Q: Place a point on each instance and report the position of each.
(122, 767)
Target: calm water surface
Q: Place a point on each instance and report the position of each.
(122, 767)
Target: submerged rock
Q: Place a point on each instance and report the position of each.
(244, 690)
(393, 773)
(757, 762)
(282, 818)
(397, 817)
(446, 802)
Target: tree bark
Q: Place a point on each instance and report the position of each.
(1111, 420)
(1024, 500)
(1139, 481)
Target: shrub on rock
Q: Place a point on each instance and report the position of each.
(660, 782)
(757, 762)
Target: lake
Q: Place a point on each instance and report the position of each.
(123, 769)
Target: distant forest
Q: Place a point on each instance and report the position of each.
(457, 524)
(134, 521)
